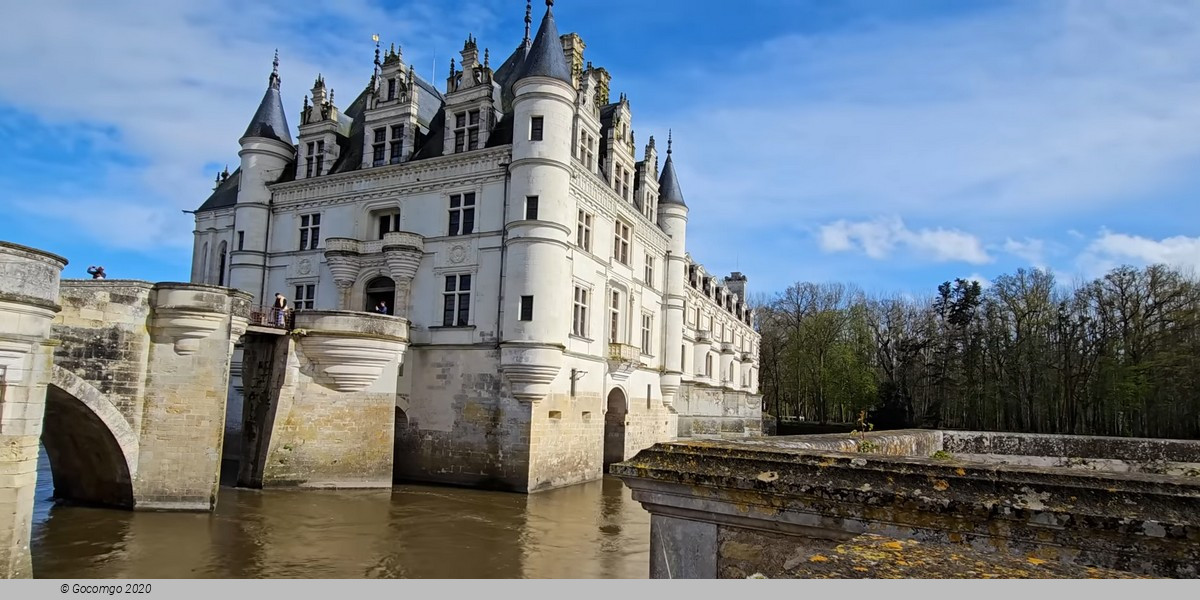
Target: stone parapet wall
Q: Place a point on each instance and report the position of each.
(713, 412)
(906, 487)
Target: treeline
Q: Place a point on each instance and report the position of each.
(1116, 356)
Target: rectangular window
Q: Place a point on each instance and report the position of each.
(320, 168)
(241, 240)
(526, 308)
(306, 296)
(614, 318)
(311, 159)
(397, 144)
(583, 232)
(579, 321)
(621, 242)
(586, 154)
(310, 231)
(388, 223)
(462, 214)
(379, 146)
(531, 208)
(456, 301)
(391, 89)
(649, 274)
(466, 131)
(535, 129)
(625, 187)
(647, 326)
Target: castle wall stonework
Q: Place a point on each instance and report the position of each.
(459, 424)
(157, 355)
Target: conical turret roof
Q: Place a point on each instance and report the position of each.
(668, 182)
(545, 58)
(269, 120)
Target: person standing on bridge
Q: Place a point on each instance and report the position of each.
(280, 308)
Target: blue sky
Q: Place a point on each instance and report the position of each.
(892, 145)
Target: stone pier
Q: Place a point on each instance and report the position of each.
(135, 410)
(921, 504)
(29, 284)
(319, 404)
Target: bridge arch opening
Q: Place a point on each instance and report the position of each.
(614, 427)
(87, 463)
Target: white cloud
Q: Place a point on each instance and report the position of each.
(1047, 113)
(879, 238)
(984, 282)
(1111, 250)
(175, 83)
(1032, 250)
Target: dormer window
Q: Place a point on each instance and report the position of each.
(391, 89)
(379, 147)
(316, 158)
(466, 131)
(397, 143)
(586, 154)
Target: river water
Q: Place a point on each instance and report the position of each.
(591, 530)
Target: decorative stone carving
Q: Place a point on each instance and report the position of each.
(13, 355)
(403, 251)
(669, 384)
(350, 348)
(188, 313)
(344, 261)
(187, 327)
(530, 369)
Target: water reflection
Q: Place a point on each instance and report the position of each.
(593, 530)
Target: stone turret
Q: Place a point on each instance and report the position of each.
(540, 218)
(672, 217)
(266, 150)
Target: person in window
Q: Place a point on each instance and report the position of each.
(382, 308)
(96, 272)
(280, 308)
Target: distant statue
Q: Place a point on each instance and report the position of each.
(96, 272)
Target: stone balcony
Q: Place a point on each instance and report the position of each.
(703, 335)
(727, 348)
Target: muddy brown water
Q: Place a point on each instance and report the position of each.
(591, 530)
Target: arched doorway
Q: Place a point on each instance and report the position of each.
(87, 463)
(380, 289)
(614, 428)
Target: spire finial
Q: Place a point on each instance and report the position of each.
(273, 80)
(668, 141)
(549, 3)
(528, 18)
(375, 37)
(486, 58)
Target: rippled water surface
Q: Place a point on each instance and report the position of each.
(592, 530)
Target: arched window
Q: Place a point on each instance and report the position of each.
(221, 264)
(380, 293)
(708, 365)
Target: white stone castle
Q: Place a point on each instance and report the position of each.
(556, 320)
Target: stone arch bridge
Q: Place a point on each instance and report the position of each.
(124, 383)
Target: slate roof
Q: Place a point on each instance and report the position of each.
(225, 195)
(546, 57)
(668, 184)
(269, 120)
